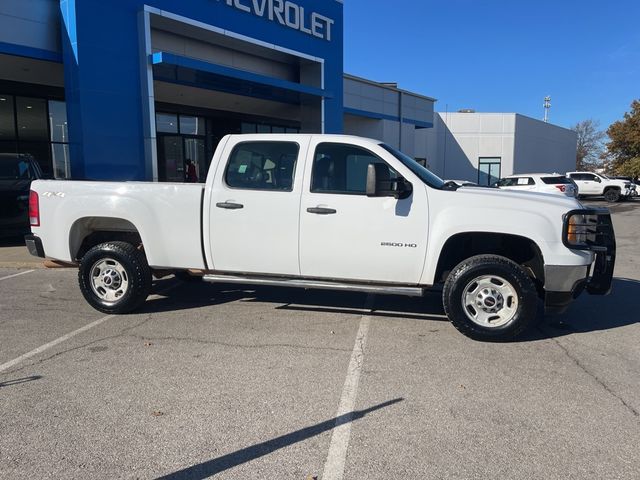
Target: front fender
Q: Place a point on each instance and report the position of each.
(536, 217)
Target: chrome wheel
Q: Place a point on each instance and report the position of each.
(109, 280)
(490, 301)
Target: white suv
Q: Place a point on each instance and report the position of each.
(597, 185)
(540, 182)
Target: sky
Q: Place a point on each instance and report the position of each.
(502, 56)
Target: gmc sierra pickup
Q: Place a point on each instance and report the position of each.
(330, 212)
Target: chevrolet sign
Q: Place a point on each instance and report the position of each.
(288, 14)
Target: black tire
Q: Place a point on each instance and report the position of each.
(480, 267)
(134, 270)
(612, 195)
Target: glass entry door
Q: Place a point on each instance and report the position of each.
(182, 159)
(171, 158)
(488, 170)
(182, 147)
(195, 160)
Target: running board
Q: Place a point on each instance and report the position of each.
(317, 284)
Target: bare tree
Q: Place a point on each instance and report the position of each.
(590, 144)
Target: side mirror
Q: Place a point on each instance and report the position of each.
(598, 179)
(380, 185)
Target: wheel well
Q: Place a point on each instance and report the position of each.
(611, 187)
(90, 231)
(521, 250)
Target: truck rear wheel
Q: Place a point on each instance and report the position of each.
(114, 277)
(612, 195)
(489, 297)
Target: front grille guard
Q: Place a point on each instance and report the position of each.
(595, 228)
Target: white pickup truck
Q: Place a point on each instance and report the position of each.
(330, 212)
(592, 184)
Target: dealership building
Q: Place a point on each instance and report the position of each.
(133, 89)
(137, 89)
(484, 147)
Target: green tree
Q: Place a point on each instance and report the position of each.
(624, 146)
(590, 144)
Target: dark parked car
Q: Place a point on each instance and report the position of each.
(16, 174)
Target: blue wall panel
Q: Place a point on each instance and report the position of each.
(102, 72)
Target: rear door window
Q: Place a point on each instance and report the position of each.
(262, 166)
(559, 180)
(582, 176)
(516, 182)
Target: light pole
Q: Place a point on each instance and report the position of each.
(547, 106)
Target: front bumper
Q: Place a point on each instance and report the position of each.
(34, 245)
(565, 283)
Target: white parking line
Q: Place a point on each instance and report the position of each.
(53, 343)
(64, 338)
(334, 465)
(17, 274)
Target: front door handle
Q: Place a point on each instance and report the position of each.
(229, 205)
(321, 210)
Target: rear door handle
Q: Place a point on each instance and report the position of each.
(229, 205)
(321, 210)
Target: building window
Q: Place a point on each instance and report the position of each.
(7, 119)
(167, 122)
(488, 170)
(31, 114)
(36, 127)
(248, 127)
(59, 137)
(191, 125)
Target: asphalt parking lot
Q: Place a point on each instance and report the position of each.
(273, 383)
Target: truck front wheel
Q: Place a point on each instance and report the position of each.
(114, 277)
(612, 195)
(489, 297)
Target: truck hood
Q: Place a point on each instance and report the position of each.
(619, 183)
(511, 199)
(537, 216)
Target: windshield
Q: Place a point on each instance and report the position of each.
(424, 174)
(15, 168)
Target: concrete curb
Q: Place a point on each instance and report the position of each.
(22, 265)
(36, 265)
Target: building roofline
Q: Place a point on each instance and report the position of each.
(546, 123)
(504, 113)
(388, 87)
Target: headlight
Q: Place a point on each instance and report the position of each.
(577, 230)
(588, 229)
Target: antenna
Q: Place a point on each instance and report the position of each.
(547, 106)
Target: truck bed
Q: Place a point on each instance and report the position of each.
(166, 215)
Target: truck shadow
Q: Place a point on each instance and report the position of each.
(586, 314)
(593, 313)
(196, 295)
